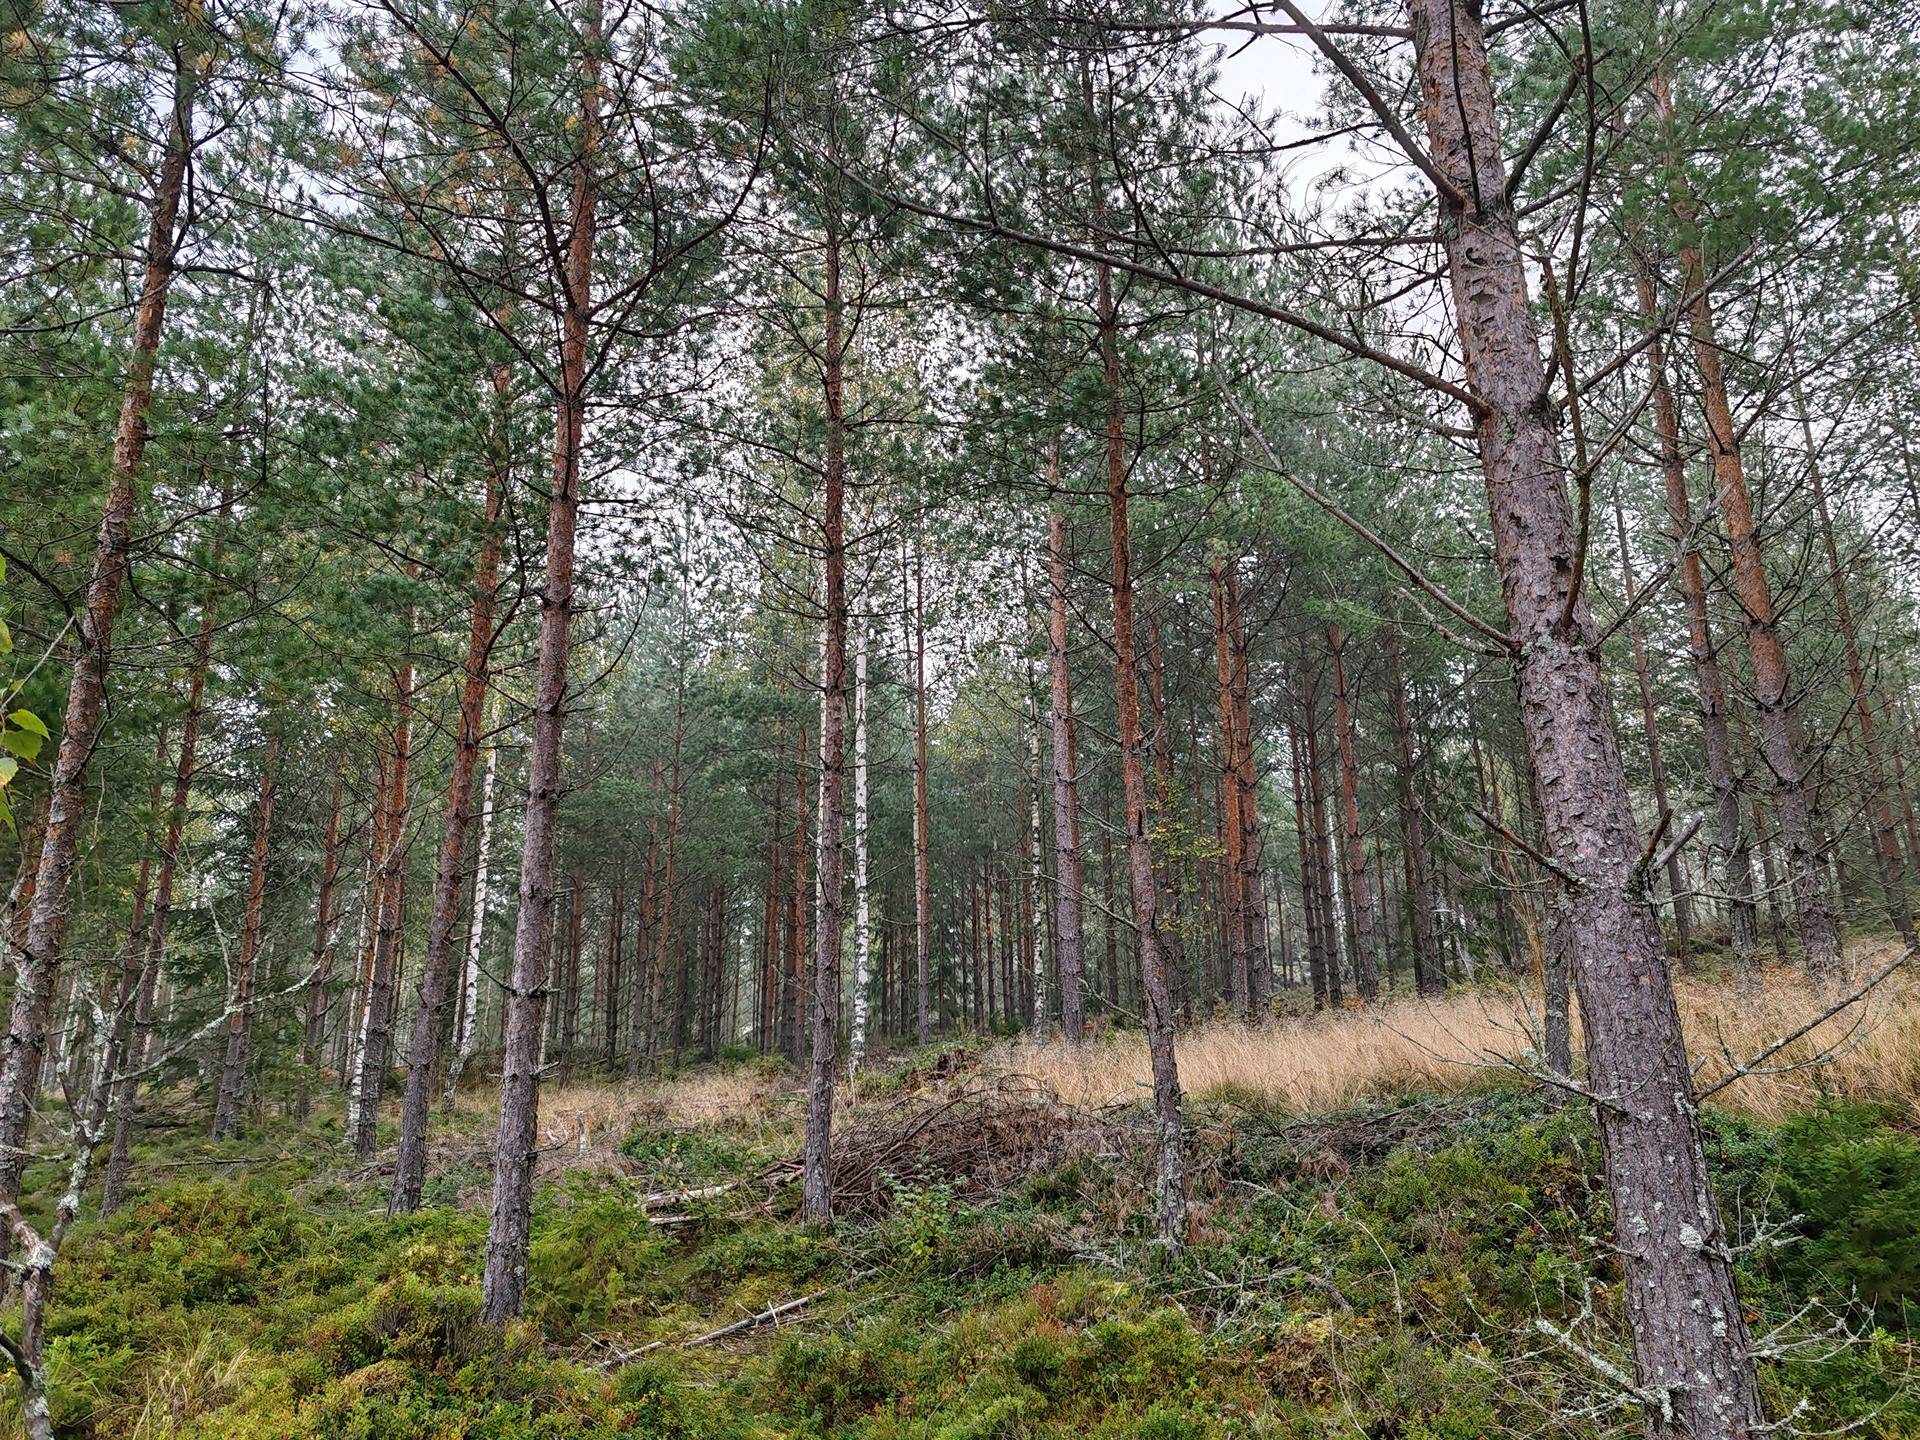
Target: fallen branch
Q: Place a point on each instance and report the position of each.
(738, 1327)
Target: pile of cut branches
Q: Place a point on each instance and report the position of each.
(981, 1136)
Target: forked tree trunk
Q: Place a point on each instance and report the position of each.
(509, 1232)
(1778, 718)
(126, 1089)
(922, 874)
(1069, 877)
(1429, 968)
(1309, 888)
(232, 1095)
(1322, 851)
(1170, 1179)
(1656, 756)
(640, 1038)
(370, 1074)
(38, 966)
(769, 935)
(797, 902)
(816, 1182)
(1232, 829)
(1690, 1344)
(1731, 841)
(1886, 843)
(436, 971)
(1253, 895)
(1360, 916)
(313, 1025)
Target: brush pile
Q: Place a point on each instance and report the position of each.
(983, 1136)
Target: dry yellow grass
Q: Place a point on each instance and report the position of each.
(590, 1120)
(1307, 1064)
(1871, 1050)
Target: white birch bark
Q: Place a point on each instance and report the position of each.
(1038, 876)
(470, 979)
(862, 909)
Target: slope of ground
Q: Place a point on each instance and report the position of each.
(1385, 1245)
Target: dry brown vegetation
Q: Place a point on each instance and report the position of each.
(1868, 1051)
(1317, 1063)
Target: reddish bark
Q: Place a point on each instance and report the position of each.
(38, 966)
(1730, 834)
(437, 970)
(1156, 1001)
(1656, 758)
(1777, 718)
(1886, 843)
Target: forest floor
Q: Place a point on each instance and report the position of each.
(1395, 1236)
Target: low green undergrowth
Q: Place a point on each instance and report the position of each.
(1388, 1273)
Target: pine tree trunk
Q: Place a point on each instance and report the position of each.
(126, 1096)
(1730, 834)
(1689, 1332)
(517, 1143)
(1429, 969)
(233, 1073)
(1232, 828)
(1322, 854)
(922, 874)
(1253, 895)
(38, 968)
(436, 973)
(370, 1073)
(797, 922)
(570, 981)
(320, 971)
(1656, 758)
(1170, 1183)
(1066, 783)
(1886, 843)
(643, 1024)
(769, 935)
(816, 1184)
(1360, 914)
(1778, 719)
(1309, 887)
(1032, 881)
